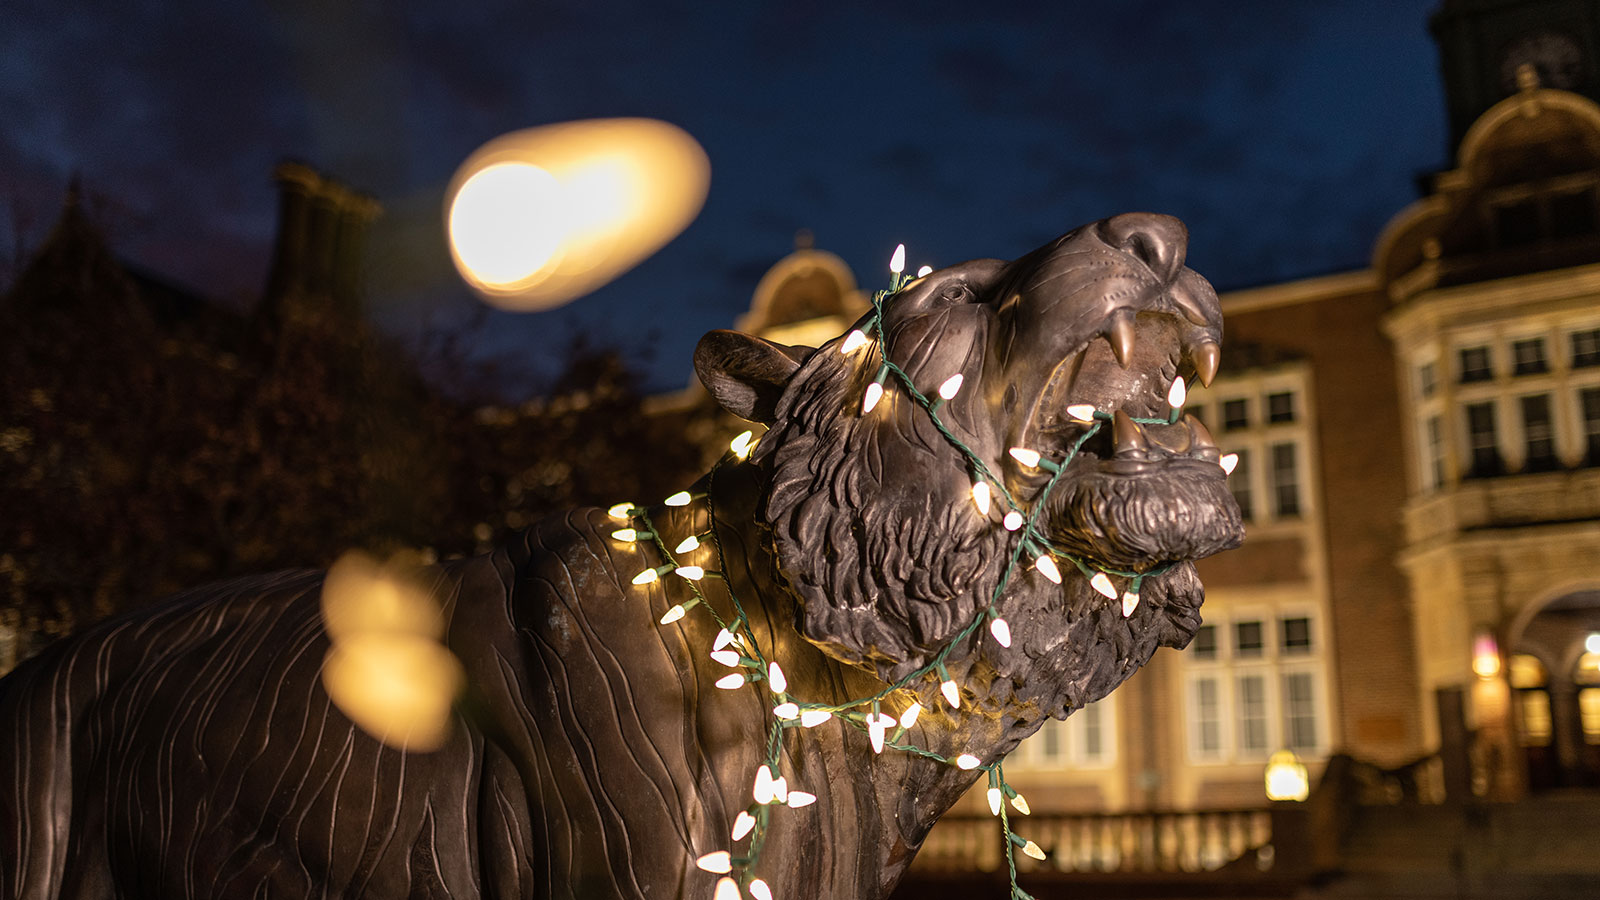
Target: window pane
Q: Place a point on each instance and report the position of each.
(1239, 486)
(1528, 357)
(1537, 434)
(1476, 365)
(1589, 400)
(1050, 740)
(1248, 638)
(1252, 698)
(1427, 379)
(1207, 716)
(1299, 711)
(1285, 481)
(1093, 734)
(1535, 718)
(1434, 461)
(1296, 633)
(1482, 441)
(1586, 348)
(1235, 414)
(1525, 671)
(1589, 714)
(1205, 642)
(1280, 407)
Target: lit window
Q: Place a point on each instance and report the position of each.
(1589, 714)
(1538, 436)
(1476, 365)
(1482, 443)
(1207, 707)
(1252, 714)
(1280, 407)
(1296, 634)
(1285, 482)
(1535, 731)
(1248, 638)
(1586, 348)
(1235, 414)
(1528, 357)
(1299, 711)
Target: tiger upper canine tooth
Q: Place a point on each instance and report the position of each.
(1120, 335)
(1128, 436)
(1207, 356)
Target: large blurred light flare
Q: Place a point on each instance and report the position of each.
(387, 669)
(539, 217)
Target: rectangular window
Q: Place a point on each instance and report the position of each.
(1207, 707)
(1434, 461)
(1295, 632)
(1235, 414)
(1051, 748)
(1249, 638)
(1427, 379)
(1589, 714)
(1476, 365)
(1285, 481)
(1239, 485)
(1482, 443)
(1205, 642)
(1252, 712)
(1527, 357)
(1538, 435)
(1586, 348)
(1280, 407)
(1536, 723)
(1299, 711)
(1589, 400)
(1092, 746)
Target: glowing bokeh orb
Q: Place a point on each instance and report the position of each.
(539, 217)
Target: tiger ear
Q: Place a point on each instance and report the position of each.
(746, 374)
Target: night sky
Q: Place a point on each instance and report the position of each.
(1284, 133)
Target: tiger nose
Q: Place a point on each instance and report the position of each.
(1158, 241)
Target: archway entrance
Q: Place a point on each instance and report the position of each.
(1554, 672)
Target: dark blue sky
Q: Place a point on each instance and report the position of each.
(1285, 133)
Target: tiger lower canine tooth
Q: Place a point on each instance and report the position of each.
(1128, 436)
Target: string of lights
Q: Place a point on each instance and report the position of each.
(737, 647)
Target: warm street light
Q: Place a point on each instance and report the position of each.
(1286, 777)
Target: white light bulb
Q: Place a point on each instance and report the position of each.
(1012, 521)
(994, 800)
(925, 270)
(780, 789)
(980, 496)
(1130, 602)
(621, 511)
(724, 638)
(1001, 632)
(871, 397)
(775, 678)
(909, 717)
(1102, 583)
(811, 718)
(952, 694)
(646, 577)
(968, 761)
(720, 862)
(1047, 568)
(1228, 462)
(674, 614)
(853, 341)
(763, 787)
(729, 682)
(1082, 412)
(1029, 458)
(897, 262)
(759, 890)
(1178, 393)
(626, 534)
(681, 498)
(1021, 805)
(798, 799)
(687, 544)
(727, 889)
(693, 573)
(787, 711)
(729, 658)
(875, 735)
(742, 444)
(743, 824)
(951, 387)
(1033, 850)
